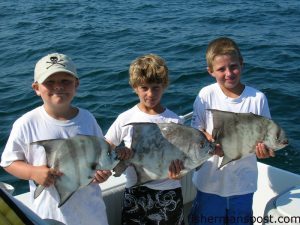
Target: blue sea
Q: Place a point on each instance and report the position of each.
(103, 37)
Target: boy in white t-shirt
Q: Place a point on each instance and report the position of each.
(224, 196)
(160, 201)
(56, 82)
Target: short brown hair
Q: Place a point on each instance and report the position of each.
(148, 69)
(222, 46)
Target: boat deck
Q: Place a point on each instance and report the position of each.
(272, 183)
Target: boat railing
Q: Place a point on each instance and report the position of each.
(186, 117)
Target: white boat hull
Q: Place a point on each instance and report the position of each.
(272, 183)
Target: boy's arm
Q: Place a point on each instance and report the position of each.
(174, 169)
(40, 174)
(218, 148)
(101, 176)
(123, 154)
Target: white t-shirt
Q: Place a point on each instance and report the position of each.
(86, 206)
(118, 133)
(238, 177)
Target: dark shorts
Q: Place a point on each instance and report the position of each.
(146, 206)
(210, 209)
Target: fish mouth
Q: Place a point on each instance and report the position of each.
(215, 150)
(285, 142)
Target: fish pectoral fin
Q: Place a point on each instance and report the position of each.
(38, 191)
(64, 198)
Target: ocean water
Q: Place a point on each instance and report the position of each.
(103, 37)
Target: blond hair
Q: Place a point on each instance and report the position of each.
(222, 46)
(148, 69)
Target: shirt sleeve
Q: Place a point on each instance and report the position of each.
(114, 133)
(265, 111)
(198, 117)
(14, 149)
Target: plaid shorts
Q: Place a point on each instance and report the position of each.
(145, 206)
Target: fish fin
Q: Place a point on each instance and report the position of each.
(64, 198)
(217, 134)
(183, 173)
(197, 168)
(142, 175)
(119, 168)
(227, 160)
(38, 191)
(138, 123)
(40, 188)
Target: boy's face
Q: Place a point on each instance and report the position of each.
(150, 95)
(57, 90)
(227, 70)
